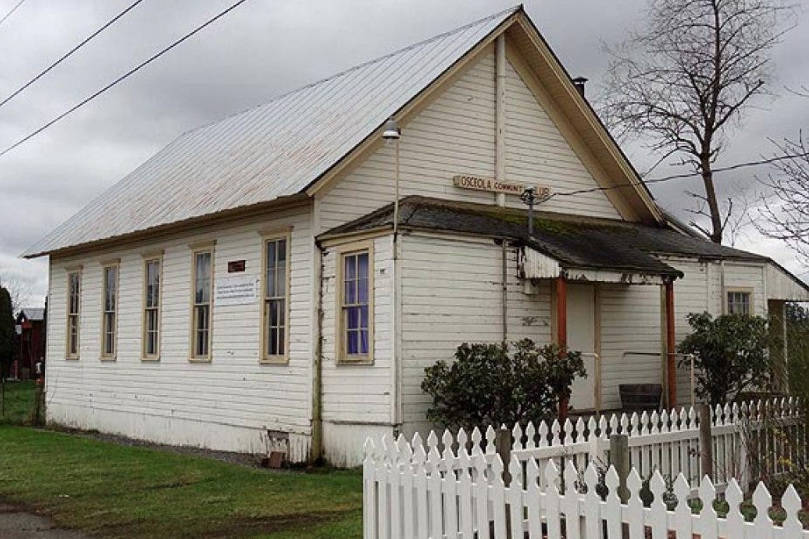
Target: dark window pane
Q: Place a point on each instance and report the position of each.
(362, 291)
(362, 266)
(282, 252)
(271, 282)
(271, 254)
(353, 315)
(363, 344)
(281, 280)
(364, 316)
(350, 268)
(203, 278)
(350, 292)
(352, 342)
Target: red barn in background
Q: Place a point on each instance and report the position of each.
(30, 329)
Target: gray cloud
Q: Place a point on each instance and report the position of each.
(261, 50)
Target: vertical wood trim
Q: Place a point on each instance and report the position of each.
(500, 115)
(597, 344)
(505, 289)
(670, 345)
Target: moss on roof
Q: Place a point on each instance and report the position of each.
(575, 241)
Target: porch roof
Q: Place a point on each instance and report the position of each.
(574, 241)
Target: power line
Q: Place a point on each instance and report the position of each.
(679, 176)
(122, 77)
(70, 52)
(12, 10)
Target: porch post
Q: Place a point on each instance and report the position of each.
(671, 372)
(561, 332)
(561, 312)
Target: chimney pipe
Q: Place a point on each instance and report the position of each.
(579, 83)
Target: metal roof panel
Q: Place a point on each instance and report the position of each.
(273, 150)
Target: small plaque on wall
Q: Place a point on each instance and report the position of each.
(236, 266)
(235, 290)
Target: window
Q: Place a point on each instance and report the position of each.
(356, 309)
(738, 302)
(201, 301)
(275, 330)
(109, 322)
(73, 312)
(151, 309)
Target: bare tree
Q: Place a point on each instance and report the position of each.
(19, 290)
(785, 212)
(687, 78)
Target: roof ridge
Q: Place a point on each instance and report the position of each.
(333, 76)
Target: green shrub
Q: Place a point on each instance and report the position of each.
(731, 354)
(493, 384)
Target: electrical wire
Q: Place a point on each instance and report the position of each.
(70, 52)
(122, 77)
(12, 10)
(679, 176)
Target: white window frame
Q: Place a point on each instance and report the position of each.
(105, 266)
(341, 353)
(192, 350)
(739, 290)
(266, 239)
(69, 314)
(147, 260)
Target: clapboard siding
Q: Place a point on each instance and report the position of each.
(630, 322)
(536, 152)
(455, 134)
(452, 293)
(359, 393)
(233, 391)
(747, 276)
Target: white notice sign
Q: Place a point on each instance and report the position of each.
(238, 290)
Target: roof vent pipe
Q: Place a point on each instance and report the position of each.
(579, 83)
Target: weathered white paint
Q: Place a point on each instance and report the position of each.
(537, 151)
(229, 403)
(535, 265)
(630, 322)
(455, 134)
(782, 286)
(357, 394)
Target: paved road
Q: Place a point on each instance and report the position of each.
(17, 524)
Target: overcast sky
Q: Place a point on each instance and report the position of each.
(264, 48)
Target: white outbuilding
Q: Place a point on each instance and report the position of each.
(279, 280)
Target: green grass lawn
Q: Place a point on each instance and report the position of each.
(18, 403)
(112, 490)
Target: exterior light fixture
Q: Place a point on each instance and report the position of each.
(392, 130)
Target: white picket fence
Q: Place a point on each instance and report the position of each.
(431, 500)
(664, 444)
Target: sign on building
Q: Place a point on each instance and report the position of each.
(235, 290)
(491, 185)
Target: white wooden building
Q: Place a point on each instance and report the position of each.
(251, 286)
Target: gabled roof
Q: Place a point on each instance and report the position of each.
(574, 241)
(276, 151)
(268, 152)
